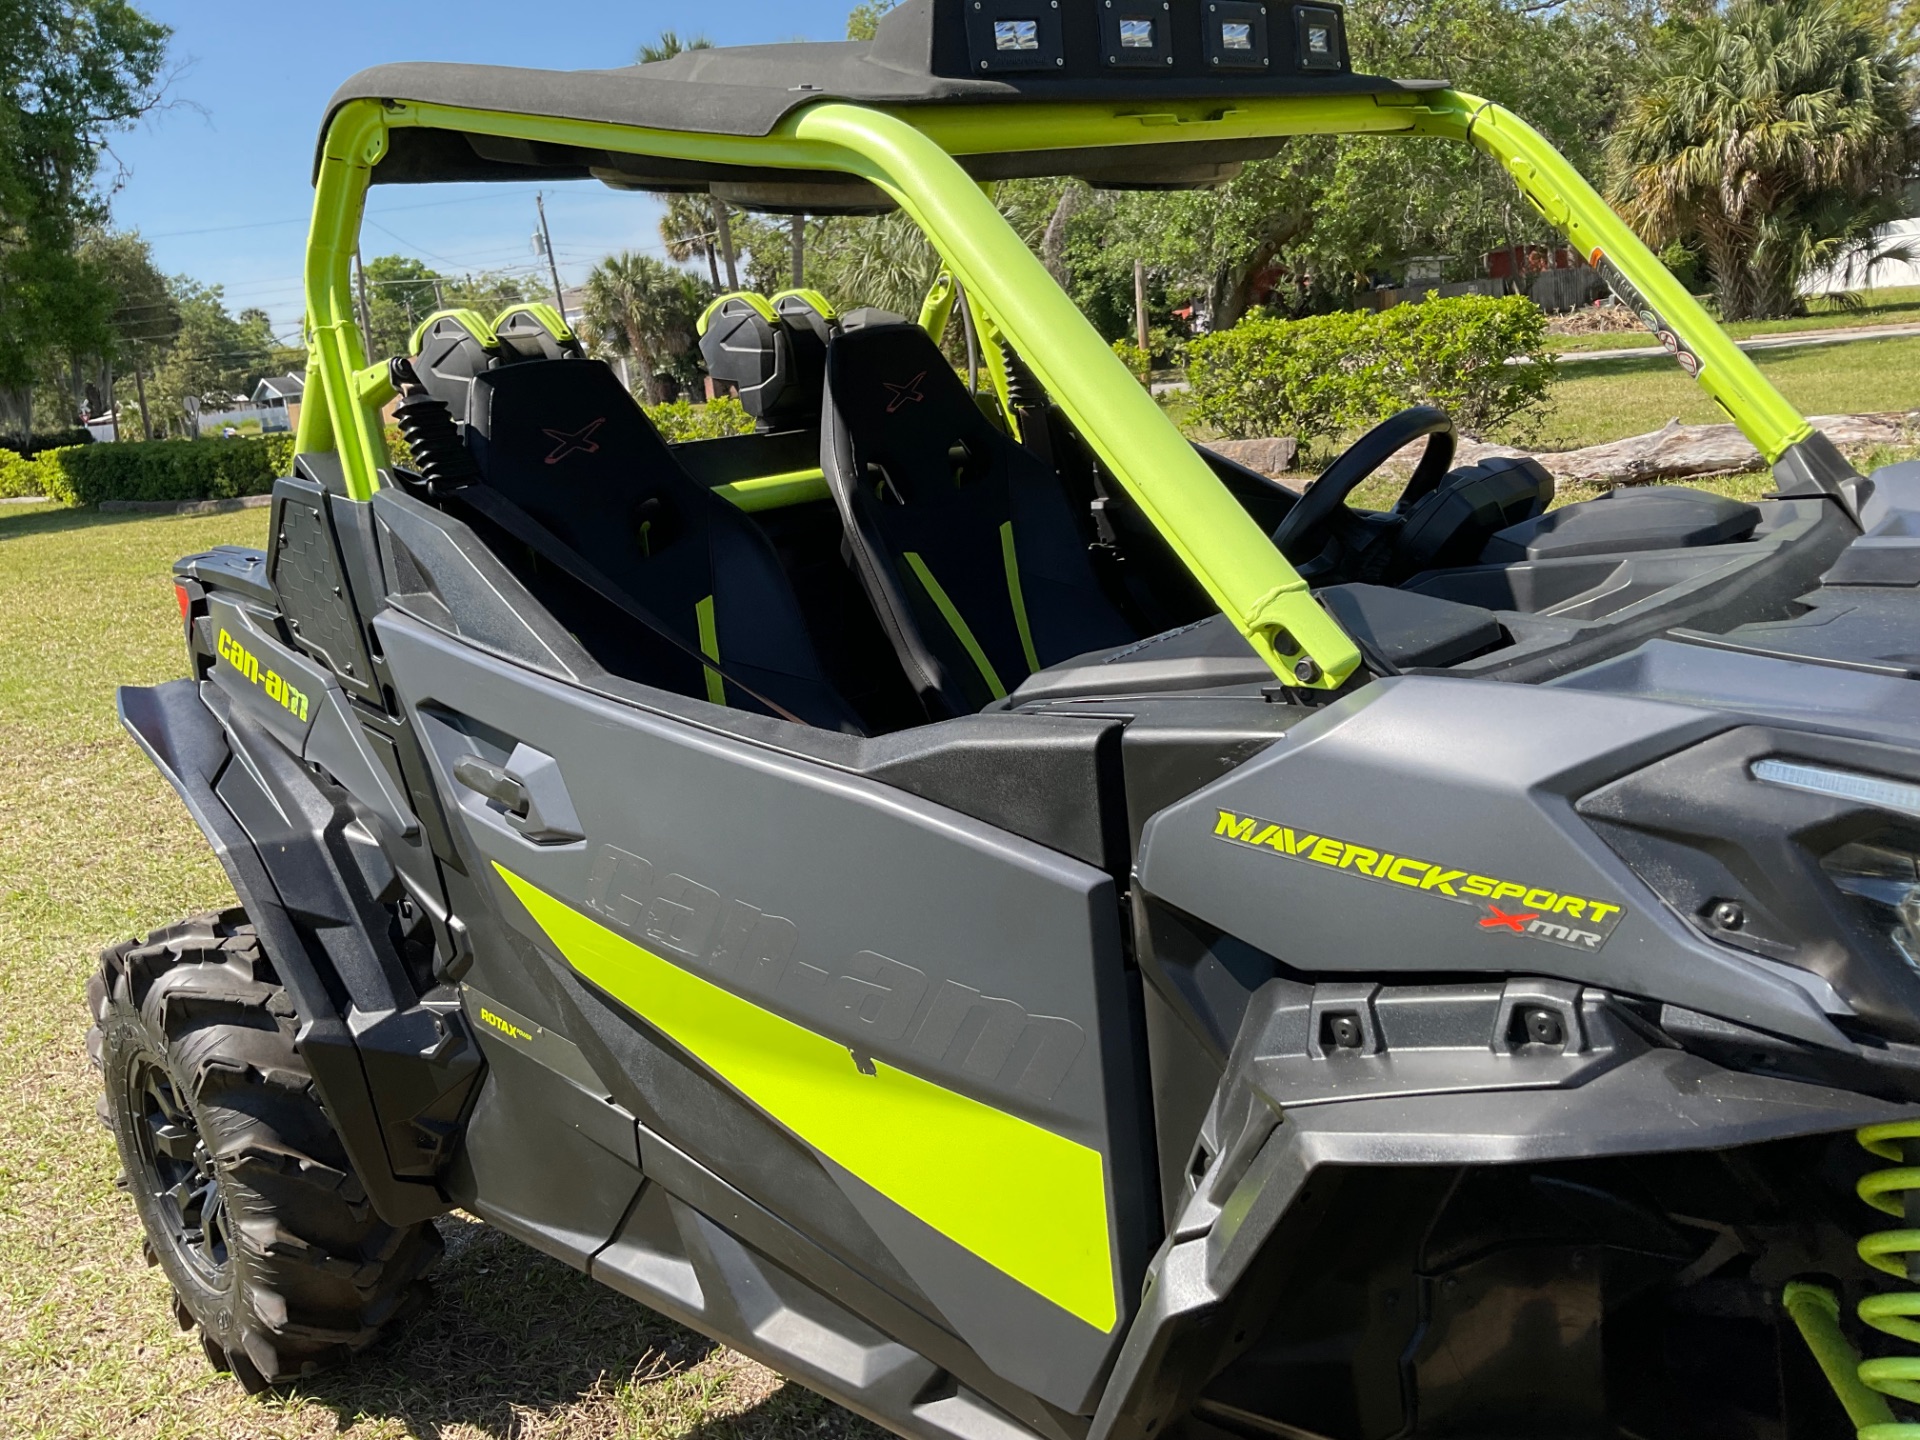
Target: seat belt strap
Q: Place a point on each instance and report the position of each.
(956, 622)
(1012, 562)
(522, 527)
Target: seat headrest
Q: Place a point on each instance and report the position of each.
(905, 408)
(561, 409)
(773, 353)
(449, 348)
(535, 332)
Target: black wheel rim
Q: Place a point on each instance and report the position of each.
(177, 1172)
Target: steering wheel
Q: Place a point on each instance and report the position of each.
(1322, 514)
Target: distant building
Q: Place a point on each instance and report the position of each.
(278, 399)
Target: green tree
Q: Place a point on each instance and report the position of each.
(865, 18)
(669, 45)
(646, 309)
(215, 358)
(72, 72)
(401, 292)
(686, 230)
(1776, 135)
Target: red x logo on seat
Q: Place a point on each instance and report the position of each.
(581, 440)
(907, 394)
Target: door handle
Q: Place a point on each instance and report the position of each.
(483, 777)
(528, 788)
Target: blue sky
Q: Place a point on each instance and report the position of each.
(219, 180)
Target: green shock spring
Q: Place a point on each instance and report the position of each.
(1896, 1313)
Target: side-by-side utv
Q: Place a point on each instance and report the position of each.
(1024, 926)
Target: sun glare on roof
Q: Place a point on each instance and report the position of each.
(1016, 34)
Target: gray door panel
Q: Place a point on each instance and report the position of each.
(973, 982)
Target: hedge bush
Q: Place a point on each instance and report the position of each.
(20, 476)
(166, 469)
(1327, 375)
(681, 420)
(210, 469)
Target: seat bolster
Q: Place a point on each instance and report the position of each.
(879, 572)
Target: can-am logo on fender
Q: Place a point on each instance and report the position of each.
(1507, 907)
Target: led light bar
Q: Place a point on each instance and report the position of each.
(1895, 795)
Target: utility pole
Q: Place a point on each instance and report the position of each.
(553, 266)
(439, 293)
(366, 311)
(140, 388)
(799, 224)
(1140, 303)
(724, 228)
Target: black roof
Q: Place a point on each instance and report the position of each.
(928, 52)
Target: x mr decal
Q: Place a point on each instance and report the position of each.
(572, 441)
(1539, 913)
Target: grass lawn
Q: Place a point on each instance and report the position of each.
(1605, 400)
(94, 847)
(1896, 305)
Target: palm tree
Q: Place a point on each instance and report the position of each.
(669, 45)
(682, 223)
(647, 309)
(1775, 135)
(685, 230)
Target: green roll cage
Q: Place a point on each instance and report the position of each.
(908, 152)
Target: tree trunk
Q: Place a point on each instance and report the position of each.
(1233, 289)
(724, 227)
(1140, 304)
(1053, 244)
(651, 390)
(16, 412)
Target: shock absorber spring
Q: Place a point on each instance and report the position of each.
(439, 454)
(1895, 1192)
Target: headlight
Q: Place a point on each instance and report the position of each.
(1881, 871)
(1884, 875)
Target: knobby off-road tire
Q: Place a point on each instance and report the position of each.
(249, 1202)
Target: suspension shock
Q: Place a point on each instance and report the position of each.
(439, 454)
(1863, 1386)
(1894, 1192)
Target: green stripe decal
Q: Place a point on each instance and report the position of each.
(957, 624)
(1012, 563)
(710, 647)
(1030, 1203)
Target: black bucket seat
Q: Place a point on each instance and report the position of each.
(965, 540)
(564, 442)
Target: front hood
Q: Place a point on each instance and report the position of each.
(1432, 825)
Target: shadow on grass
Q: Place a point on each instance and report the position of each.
(67, 519)
(516, 1344)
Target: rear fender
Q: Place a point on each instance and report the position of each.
(1287, 1108)
(395, 1070)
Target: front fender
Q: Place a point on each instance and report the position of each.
(1273, 1126)
(298, 901)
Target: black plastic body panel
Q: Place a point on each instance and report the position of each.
(289, 903)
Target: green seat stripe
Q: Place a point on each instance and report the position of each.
(1030, 1203)
(1019, 600)
(957, 624)
(710, 647)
